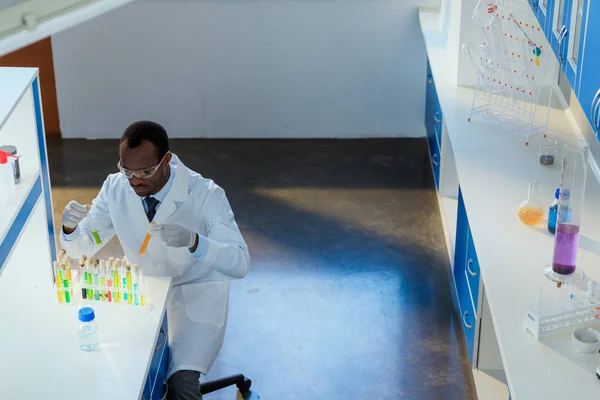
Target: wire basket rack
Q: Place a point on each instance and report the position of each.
(510, 65)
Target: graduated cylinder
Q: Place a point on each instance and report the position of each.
(570, 212)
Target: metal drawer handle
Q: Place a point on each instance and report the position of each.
(164, 339)
(469, 263)
(429, 78)
(433, 160)
(469, 327)
(561, 36)
(593, 108)
(436, 118)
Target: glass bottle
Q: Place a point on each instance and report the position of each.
(570, 210)
(88, 330)
(553, 212)
(531, 211)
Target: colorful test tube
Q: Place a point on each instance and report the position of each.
(58, 282)
(115, 283)
(103, 280)
(136, 286)
(96, 283)
(124, 282)
(82, 272)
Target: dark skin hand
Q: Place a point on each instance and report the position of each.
(142, 157)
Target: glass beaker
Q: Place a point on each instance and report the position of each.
(531, 211)
(549, 154)
(570, 210)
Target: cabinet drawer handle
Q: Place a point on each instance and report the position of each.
(433, 160)
(534, 5)
(561, 36)
(436, 118)
(594, 108)
(164, 339)
(469, 263)
(429, 79)
(469, 327)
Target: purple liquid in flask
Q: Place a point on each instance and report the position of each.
(565, 249)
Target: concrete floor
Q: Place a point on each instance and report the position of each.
(349, 293)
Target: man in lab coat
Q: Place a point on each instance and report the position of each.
(195, 240)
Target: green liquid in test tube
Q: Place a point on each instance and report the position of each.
(94, 232)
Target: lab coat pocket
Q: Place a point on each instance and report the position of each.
(207, 302)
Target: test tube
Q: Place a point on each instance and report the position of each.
(103, 279)
(109, 280)
(88, 266)
(115, 282)
(58, 282)
(95, 283)
(124, 281)
(67, 292)
(84, 276)
(94, 231)
(136, 286)
(141, 283)
(129, 285)
(146, 240)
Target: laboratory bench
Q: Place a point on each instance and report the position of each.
(38, 335)
(481, 174)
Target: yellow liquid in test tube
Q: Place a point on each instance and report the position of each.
(145, 244)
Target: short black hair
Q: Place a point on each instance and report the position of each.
(146, 130)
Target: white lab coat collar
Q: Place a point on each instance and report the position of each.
(177, 193)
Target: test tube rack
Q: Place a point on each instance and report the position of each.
(111, 281)
(571, 308)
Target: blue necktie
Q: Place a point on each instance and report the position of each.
(151, 204)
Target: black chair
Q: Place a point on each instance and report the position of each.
(240, 381)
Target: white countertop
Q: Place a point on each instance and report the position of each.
(494, 166)
(38, 336)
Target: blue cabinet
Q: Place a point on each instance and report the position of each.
(558, 30)
(466, 277)
(153, 388)
(574, 39)
(588, 86)
(433, 125)
(544, 13)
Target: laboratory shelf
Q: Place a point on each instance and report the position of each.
(15, 81)
(493, 167)
(20, 129)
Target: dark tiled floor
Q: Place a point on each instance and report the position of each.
(349, 294)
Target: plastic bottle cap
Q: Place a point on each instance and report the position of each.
(9, 149)
(557, 194)
(86, 314)
(4, 157)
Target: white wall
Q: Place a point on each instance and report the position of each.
(330, 68)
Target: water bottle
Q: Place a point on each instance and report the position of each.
(553, 212)
(88, 330)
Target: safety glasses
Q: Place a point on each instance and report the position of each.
(141, 173)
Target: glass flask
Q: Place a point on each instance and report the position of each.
(531, 211)
(570, 210)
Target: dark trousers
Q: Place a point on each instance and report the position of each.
(184, 385)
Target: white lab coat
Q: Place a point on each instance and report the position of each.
(198, 304)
